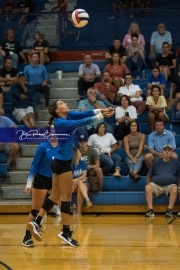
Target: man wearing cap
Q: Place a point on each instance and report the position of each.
(91, 157)
(8, 75)
(163, 178)
(23, 96)
(156, 140)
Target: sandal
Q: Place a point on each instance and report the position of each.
(131, 175)
(88, 204)
(136, 178)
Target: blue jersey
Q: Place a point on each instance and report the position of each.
(77, 170)
(42, 160)
(65, 129)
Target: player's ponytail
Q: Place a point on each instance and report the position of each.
(52, 111)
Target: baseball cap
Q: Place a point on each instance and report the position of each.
(167, 146)
(83, 138)
(20, 73)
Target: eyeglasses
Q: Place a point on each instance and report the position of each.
(128, 78)
(166, 47)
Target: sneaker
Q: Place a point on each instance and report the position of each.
(28, 242)
(168, 213)
(150, 213)
(56, 210)
(67, 238)
(178, 214)
(33, 227)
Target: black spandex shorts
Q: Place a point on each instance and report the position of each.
(59, 166)
(42, 182)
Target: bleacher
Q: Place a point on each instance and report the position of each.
(68, 55)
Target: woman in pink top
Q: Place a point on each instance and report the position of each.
(133, 28)
(117, 70)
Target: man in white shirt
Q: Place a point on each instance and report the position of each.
(134, 92)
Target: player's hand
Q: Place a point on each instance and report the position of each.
(27, 190)
(108, 112)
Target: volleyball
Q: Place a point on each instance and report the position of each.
(79, 18)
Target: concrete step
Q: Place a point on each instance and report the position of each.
(72, 103)
(64, 83)
(11, 192)
(65, 93)
(23, 163)
(28, 150)
(18, 177)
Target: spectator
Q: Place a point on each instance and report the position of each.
(166, 61)
(10, 47)
(117, 70)
(9, 148)
(124, 114)
(8, 9)
(134, 92)
(156, 140)
(156, 105)
(133, 29)
(105, 144)
(24, 6)
(156, 78)
(157, 39)
(91, 157)
(89, 74)
(135, 57)
(175, 85)
(80, 184)
(106, 91)
(176, 110)
(61, 6)
(125, 4)
(90, 103)
(134, 146)
(23, 96)
(163, 178)
(8, 75)
(116, 47)
(37, 76)
(1, 98)
(41, 46)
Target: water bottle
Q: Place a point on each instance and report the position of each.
(172, 129)
(143, 74)
(74, 209)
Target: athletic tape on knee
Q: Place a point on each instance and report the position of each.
(47, 205)
(34, 212)
(66, 207)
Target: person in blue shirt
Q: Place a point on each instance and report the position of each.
(10, 148)
(39, 181)
(23, 97)
(80, 185)
(156, 78)
(65, 123)
(156, 140)
(37, 76)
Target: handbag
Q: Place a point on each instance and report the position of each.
(94, 185)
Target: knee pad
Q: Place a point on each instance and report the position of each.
(34, 212)
(47, 205)
(66, 207)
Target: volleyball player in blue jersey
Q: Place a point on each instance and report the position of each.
(65, 122)
(39, 181)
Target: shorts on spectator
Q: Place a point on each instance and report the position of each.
(5, 147)
(159, 190)
(19, 113)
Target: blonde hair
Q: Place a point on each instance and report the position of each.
(137, 26)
